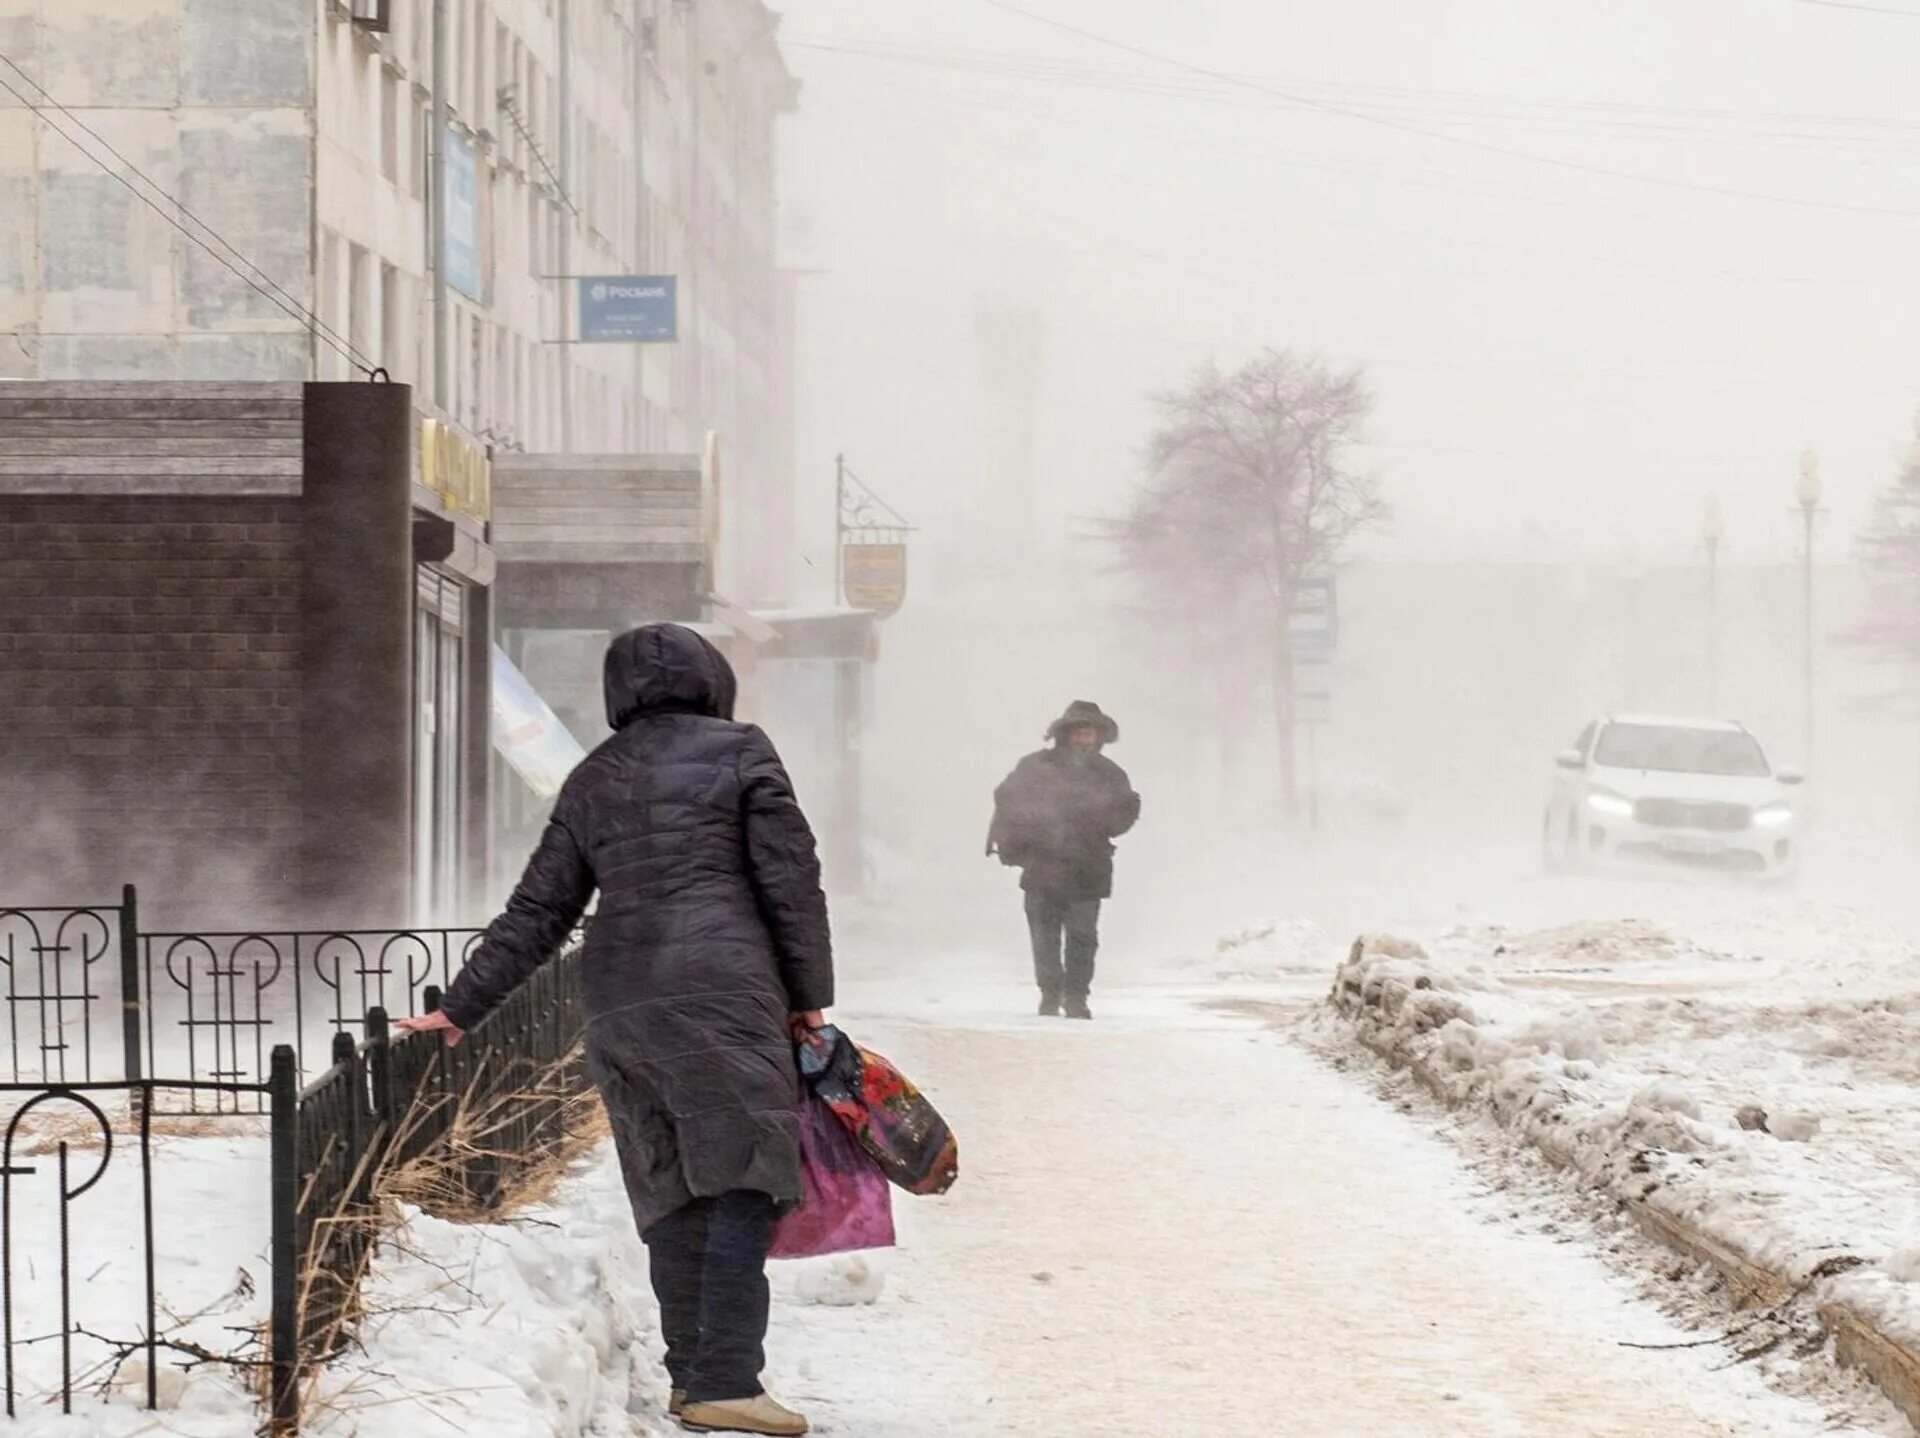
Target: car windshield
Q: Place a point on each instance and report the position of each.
(1673, 749)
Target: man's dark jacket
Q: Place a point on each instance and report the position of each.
(1055, 818)
(711, 928)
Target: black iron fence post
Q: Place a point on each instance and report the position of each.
(380, 1070)
(130, 1005)
(283, 1085)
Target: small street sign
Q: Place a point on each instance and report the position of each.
(1313, 628)
(629, 309)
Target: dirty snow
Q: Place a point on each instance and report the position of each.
(1763, 1093)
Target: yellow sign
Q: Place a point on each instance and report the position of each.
(456, 469)
(875, 576)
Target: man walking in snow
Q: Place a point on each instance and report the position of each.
(1055, 818)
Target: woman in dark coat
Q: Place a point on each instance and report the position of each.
(709, 950)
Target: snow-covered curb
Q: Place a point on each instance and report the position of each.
(1703, 1184)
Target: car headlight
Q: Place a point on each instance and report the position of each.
(1771, 816)
(1605, 801)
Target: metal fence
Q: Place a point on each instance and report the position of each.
(83, 1143)
(92, 996)
(96, 1007)
(497, 1099)
(214, 1003)
(61, 977)
(482, 1112)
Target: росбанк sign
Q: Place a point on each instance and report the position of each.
(628, 309)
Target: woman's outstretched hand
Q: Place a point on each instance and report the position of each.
(802, 1022)
(435, 1022)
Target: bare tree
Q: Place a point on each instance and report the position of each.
(1250, 489)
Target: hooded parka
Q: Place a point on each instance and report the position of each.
(711, 929)
(1055, 817)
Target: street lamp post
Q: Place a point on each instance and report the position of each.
(1712, 532)
(1806, 493)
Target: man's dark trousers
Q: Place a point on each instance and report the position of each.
(1066, 937)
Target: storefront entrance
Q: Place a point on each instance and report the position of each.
(439, 779)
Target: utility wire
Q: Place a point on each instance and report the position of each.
(1466, 142)
(1424, 175)
(1870, 9)
(265, 286)
(1892, 141)
(1459, 106)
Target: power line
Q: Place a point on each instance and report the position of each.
(1466, 107)
(269, 290)
(1425, 175)
(1870, 9)
(1484, 146)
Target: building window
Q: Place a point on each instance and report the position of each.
(422, 148)
(361, 304)
(395, 328)
(476, 372)
(392, 96)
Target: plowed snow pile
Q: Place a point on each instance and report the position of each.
(1776, 1107)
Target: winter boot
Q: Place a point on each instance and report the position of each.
(1077, 1007)
(759, 1414)
(1049, 1003)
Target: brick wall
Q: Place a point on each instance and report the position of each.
(149, 692)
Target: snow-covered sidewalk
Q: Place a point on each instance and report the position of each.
(1203, 1232)
(1169, 1223)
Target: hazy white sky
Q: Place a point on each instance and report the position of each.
(1568, 362)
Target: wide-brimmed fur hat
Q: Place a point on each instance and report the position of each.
(1085, 713)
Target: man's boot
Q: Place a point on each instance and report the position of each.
(1077, 1007)
(1049, 1003)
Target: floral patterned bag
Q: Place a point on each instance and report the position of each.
(889, 1116)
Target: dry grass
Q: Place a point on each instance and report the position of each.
(437, 1179)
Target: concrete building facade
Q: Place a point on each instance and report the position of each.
(216, 192)
(245, 653)
(185, 180)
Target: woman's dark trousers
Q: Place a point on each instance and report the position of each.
(709, 1267)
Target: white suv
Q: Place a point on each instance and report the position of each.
(1696, 792)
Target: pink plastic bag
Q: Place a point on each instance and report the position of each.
(846, 1202)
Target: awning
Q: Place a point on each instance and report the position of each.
(528, 734)
(827, 633)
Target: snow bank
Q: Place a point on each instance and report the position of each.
(539, 1325)
(1766, 1121)
(543, 1324)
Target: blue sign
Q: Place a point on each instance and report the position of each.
(629, 309)
(461, 223)
(1314, 626)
